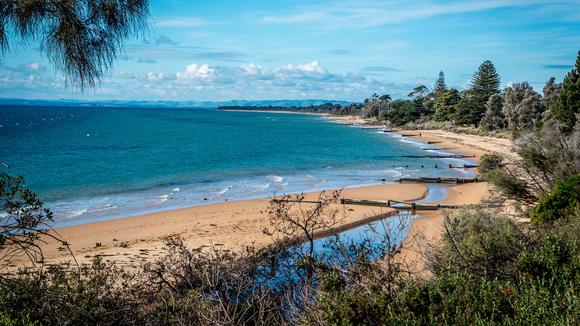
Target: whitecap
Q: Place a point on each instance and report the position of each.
(108, 206)
(176, 189)
(162, 199)
(74, 213)
(261, 187)
(393, 174)
(276, 178)
(222, 191)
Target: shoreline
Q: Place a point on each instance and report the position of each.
(131, 240)
(277, 111)
(233, 225)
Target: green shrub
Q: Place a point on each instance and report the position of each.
(401, 112)
(489, 271)
(562, 200)
(510, 186)
(481, 243)
(490, 162)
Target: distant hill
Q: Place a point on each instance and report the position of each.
(168, 104)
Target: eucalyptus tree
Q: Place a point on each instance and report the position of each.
(494, 118)
(522, 106)
(551, 92)
(82, 38)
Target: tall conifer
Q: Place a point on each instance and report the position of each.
(568, 104)
(440, 87)
(485, 82)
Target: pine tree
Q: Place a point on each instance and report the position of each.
(80, 37)
(568, 104)
(485, 82)
(440, 87)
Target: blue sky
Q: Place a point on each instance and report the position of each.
(343, 50)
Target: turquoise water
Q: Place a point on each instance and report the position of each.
(91, 164)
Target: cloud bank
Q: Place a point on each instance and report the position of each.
(202, 81)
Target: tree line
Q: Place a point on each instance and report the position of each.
(516, 109)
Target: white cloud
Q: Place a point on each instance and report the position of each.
(308, 80)
(199, 81)
(193, 71)
(155, 76)
(312, 67)
(253, 69)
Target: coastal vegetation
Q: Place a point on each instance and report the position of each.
(519, 264)
(488, 269)
(483, 107)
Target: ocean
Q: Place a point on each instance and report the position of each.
(94, 164)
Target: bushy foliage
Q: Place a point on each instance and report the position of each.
(489, 270)
(546, 156)
(568, 104)
(80, 37)
(490, 162)
(184, 286)
(373, 106)
(446, 105)
(522, 107)
(560, 202)
(481, 244)
(551, 93)
(95, 294)
(401, 112)
(23, 220)
(494, 118)
(470, 109)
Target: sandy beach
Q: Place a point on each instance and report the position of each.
(130, 241)
(231, 224)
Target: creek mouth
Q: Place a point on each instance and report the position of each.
(371, 241)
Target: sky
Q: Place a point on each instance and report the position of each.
(336, 50)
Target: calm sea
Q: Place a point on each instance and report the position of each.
(91, 164)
